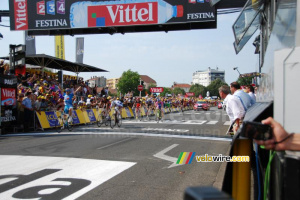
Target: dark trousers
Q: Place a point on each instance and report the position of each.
(28, 119)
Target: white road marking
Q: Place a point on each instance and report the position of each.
(227, 123)
(114, 143)
(212, 122)
(91, 172)
(162, 156)
(165, 129)
(125, 134)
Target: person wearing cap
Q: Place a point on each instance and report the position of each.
(88, 101)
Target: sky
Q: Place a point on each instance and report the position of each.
(165, 57)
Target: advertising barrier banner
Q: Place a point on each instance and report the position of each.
(8, 99)
(66, 14)
(52, 119)
(91, 115)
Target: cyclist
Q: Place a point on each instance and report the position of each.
(149, 105)
(68, 100)
(159, 105)
(118, 105)
(137, 106)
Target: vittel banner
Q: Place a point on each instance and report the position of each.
(66, 14)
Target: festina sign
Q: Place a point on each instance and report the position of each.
(190, 94)
(156, 90)
(71, 14)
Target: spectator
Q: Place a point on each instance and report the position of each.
(250, 90)
(233, 106)
(282, 140)
(28, 110)
(245, 99)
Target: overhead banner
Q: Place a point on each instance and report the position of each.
(79, 49)
(60, 47)
(62, 14)
(30, 44)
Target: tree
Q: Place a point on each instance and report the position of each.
(244, 80)
(166, 91)
(198, 89)
(178, 90)
(214, 86)
(148, 90)
(129, 81)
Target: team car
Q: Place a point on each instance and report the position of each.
(201, 105)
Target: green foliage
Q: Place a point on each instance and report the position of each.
(148, 90)
(178, 90)
(166, 91)
(198, 89)
(214, 86)
(245, 80)
(129, 81)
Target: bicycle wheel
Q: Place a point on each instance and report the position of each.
(112, 121)
(57, 125)
(119, 120)
(70, 125)
(100, 119)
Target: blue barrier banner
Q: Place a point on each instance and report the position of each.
(75, 118)
(52, 118)
(128, 112)
(91, 115)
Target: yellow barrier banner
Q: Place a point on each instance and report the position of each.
(78, 117)
(91, 115)
(60, 47)
(124, 113)
(86, 116)
(143, 111)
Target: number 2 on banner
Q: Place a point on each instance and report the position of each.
(51, 7)
(40, 7)
(60, 7)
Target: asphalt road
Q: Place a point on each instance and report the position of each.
(136, 161)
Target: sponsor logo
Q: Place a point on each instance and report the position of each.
(156, 90)
(51, 23)
(8, 97)
(10, 81)
(123, 14)
(209, 15)
(21, 17)
(29, 38)
(80, 51)
(8, 116)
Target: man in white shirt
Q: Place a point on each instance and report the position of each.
(233, 106)
(245, 99)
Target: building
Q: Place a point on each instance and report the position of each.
(206, 77)
(147, 81)
(97, 81)
(186, 87)
(112, 83)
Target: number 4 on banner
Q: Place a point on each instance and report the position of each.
(60, 7)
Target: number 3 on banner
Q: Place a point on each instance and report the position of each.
(60, 7)
(51, 7)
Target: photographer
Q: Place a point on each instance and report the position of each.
(281, 140)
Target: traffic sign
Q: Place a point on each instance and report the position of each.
(140, 88)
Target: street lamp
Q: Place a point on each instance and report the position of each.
(236, 68)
